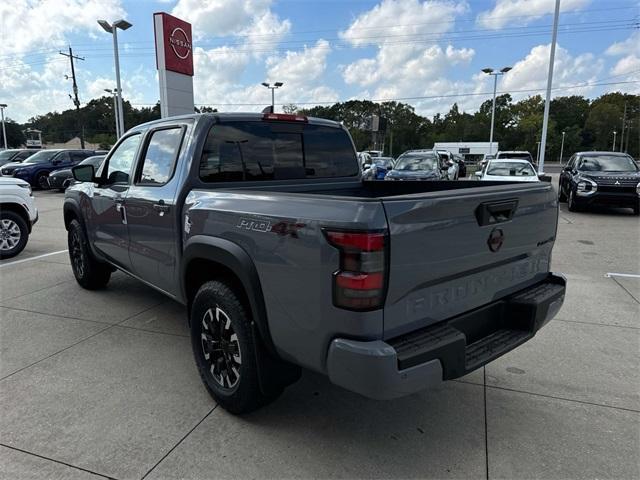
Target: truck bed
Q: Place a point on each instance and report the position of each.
(378, 190)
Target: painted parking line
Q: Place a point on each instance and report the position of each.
(628, 275)
(31, 258)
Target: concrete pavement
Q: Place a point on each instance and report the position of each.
(103, 384)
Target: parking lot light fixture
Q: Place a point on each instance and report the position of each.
(113, 29)
(272, 88)
(4, 132)
(491, 71)
(614, 141)
(562, 147)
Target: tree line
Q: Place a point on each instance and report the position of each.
(588, 123)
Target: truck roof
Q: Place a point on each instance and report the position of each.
(239, 117)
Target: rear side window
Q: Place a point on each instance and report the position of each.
(255, 151)
(160, 156)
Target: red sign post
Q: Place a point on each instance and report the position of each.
(174, 59)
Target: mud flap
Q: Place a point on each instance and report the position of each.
(274, 374)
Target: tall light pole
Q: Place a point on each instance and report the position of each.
(273, 95)
(4, 132)
(114, 94)
(491, 71)
(113, 29)
(547, 101)
(614, 141)
(562, 147)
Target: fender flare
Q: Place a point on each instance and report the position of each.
(236, 259)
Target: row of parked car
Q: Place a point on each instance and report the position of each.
(46, 169)
(24, 169)
(423, 164)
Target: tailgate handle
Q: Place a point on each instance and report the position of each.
(496, 212)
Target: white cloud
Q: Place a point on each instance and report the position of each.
(627, 67)
(27, 25)
(300, 71)
(630, 46)
(531, 72)
(405, 66)
(302, 66)
(216, 18)
(395, 20)
(523, 12)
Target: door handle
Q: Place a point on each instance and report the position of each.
(161, 207)
(122, 209)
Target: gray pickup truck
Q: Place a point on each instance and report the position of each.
(286, 259)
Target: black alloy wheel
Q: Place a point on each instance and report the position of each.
(221, 348)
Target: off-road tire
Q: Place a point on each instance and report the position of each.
(218, 302)
(10, 221)
(89, 272)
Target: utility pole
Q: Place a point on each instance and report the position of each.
(76, 102)
(624, 121)
(547, 102)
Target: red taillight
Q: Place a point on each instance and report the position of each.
(284, 117)
(360, 282)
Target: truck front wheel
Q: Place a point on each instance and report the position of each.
(89, 272)
(224, 349)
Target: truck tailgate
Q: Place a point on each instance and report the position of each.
(454, 251)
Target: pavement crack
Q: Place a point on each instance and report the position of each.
(179, 442)
(26, 452)
(625, 289)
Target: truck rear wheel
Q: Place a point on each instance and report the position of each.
(224, 348)
(89, 272)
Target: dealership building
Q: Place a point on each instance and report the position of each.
(472, 151)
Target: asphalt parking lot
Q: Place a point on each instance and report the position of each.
(103, 384)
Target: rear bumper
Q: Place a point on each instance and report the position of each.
(447, 350)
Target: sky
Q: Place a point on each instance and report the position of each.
(425, 53)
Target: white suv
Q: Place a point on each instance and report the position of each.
(18, 213)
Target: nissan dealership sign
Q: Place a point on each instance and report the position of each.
(174, 59)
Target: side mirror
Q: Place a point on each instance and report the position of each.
(56, 162)
(478, 175)
(84, 173)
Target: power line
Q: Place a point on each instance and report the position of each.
(338, 29)
(423, 97)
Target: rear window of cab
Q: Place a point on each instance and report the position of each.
(253, 151)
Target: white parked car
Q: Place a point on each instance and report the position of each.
(508, 170)
(18, 213)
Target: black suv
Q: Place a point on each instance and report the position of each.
(600, 178)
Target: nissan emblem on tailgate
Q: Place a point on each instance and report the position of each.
(496, 239)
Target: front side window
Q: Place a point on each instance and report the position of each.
(43, 156)
(160, 156)
(275, 151)
(120, 162)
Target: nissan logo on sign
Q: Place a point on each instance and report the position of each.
(180, 43)
(173, 44)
